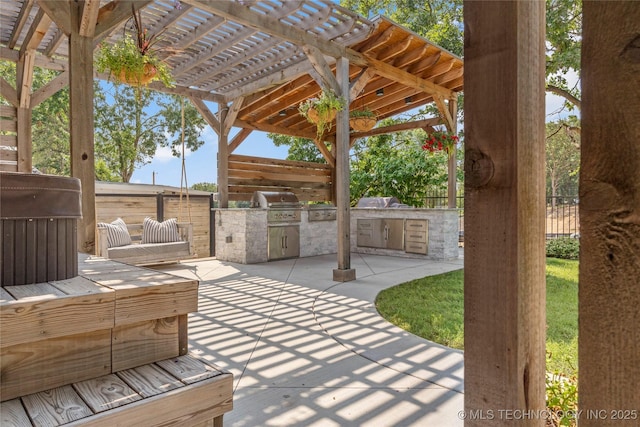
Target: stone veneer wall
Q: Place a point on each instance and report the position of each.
(247, 231)
(241, 235)
(317, 237)
(443, 231)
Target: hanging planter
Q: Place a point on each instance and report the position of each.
(322, 111)
(145, 77)
(133, 61)
(362, 120)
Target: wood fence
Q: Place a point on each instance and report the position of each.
(309, 181)
(8, 139)
(133, 208)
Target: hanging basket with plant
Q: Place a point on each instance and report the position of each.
(322, 111)
(362, 120)
(440, 141)
(133, 61)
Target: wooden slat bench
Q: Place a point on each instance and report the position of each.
(178, 391)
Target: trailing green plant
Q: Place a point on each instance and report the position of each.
(322, 110)
(564, 247)
(133, 61)
(362, 112)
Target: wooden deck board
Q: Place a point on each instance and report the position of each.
(145, 396)
(13, 414)
(56, 406)
(188, 370)
(106, 392)
(43, 311)
(149, 380)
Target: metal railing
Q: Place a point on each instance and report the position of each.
(561, 213)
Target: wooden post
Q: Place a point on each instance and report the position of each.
(24, 140)
(223, 158)
(504, 289)
(609, 297)
(452, 162)
(81, 126)
(344, 272)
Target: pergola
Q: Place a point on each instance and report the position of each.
(258, 59)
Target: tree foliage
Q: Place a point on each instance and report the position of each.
(562, 157)
(396, 165)
(50, 123)
(205, 186)
(440, 21)
(131, 123)
(564, 39)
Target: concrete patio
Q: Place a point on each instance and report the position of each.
(308, 351)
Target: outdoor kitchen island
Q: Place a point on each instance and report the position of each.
(405, 232)
(278, 227)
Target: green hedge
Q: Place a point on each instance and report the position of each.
(565, 247)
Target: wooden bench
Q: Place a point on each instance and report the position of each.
(109, 320)
(176, 391)
(142, 254)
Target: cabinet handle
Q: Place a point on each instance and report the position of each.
(285, 242)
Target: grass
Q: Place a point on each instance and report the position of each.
(433, 308)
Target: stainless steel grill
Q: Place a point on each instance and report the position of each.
(283, 211)
(283, 206)
(380, 203)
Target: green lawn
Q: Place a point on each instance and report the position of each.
(432, 308)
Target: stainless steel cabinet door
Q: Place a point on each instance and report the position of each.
(283, 242)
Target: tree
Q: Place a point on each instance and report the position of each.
(564, 35)
(50, 123)
(130, 123)
(562, 157)
(205, 186)
(396, 165)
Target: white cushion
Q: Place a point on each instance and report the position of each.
(160, 232)
(117, 233)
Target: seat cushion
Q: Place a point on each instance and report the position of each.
(148, 252)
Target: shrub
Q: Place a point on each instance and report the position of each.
(565, 247)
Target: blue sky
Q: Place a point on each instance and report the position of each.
(201, 164)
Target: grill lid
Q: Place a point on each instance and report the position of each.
(380, 202)
(274, 199)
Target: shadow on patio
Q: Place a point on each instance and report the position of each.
(305, 350)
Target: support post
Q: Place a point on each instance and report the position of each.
(344, 272)
(504, 263)
(609, 295)
(24, 139)
(81, 126)
(223, 158)
(452, 164)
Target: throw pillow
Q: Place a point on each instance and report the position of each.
(117, 233)
(160, 232)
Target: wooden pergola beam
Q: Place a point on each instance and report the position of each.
(417, 124)
(23, 16)
(52, 87)
(245, 16)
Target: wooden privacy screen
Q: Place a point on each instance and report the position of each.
(8, 139)
(309, 181)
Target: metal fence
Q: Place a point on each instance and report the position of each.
(562, 218)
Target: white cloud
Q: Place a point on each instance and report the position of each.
(163, 155)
